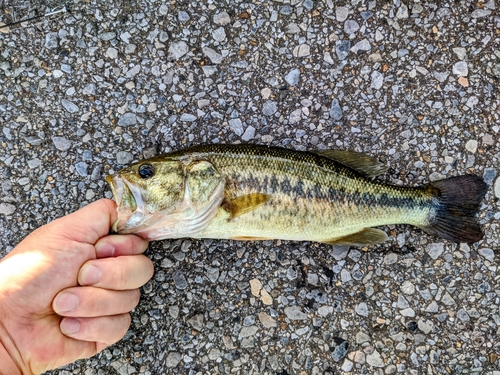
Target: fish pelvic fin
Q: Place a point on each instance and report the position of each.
(456, 207)
(364, 164)
(246, 203)
(365, 237)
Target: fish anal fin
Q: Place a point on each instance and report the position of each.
(250, 238)
(246, 203)
(366, 237)
(366, 165)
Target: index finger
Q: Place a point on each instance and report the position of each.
(115, 245)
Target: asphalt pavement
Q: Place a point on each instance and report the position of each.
(414, 83)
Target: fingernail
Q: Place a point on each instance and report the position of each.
(90, 275)
(70, 326)
(66, 302)
(104, 250)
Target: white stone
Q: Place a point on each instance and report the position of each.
(248, 134)
(407, 287)
(219, 34)
(435, 250)
(377, 80)
(177, 50)
(460, 52)
(496, 188)
(295, 313)
(236, 126)
(460, 68)
(362, 45)
(213, 55)
(362, 309)
(375, 359)
(347, 365)
(7, 209)
(488, 254)
(222, 18)
(341, 13)
(302, 50)
(402, 12)
(295, 116)
(111, 53)
(471, 145)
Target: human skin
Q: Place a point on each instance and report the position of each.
(67, 289)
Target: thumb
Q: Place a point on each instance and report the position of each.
(89, 223)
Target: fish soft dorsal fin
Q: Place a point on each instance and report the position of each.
(366, 165)
(246, 203)
(366, 237)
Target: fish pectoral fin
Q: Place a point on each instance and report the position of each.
(364, 164)
(368, 236)
(246, 203)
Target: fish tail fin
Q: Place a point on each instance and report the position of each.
(456, 207)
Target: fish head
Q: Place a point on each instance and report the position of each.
(166, 198)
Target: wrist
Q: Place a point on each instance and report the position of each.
(7, 364)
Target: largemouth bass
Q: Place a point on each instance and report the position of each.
(250, 192)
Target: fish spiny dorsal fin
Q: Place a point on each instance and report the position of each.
(364, 164)
(366, 237)
(246, 203)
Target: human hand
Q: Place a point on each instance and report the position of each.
(66, 290)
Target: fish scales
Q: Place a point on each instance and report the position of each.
(271, 192)
(338, 200)
(332, 200)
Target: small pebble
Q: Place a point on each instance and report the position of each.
(336, 112)
(375, 359)
(496, 188)
(340, 349)
(69, 106)
(177, 50)
(269, 108)
(362, 309)
(295, 313)
(342, 49)
(7, 209)
(183, 16)
(435, 250)
(127, 119)
(179, 280)
(350, 27)
(292, 78)
(197, 322)
(460, 68)
(173, 359)
(222, 18)
(402, 12)
(341, 14)
(61, 143)
(255, 286)
(377, 80)
(124, 157)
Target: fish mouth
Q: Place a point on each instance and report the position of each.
(126, 202)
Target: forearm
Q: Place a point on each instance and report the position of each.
(7, 365)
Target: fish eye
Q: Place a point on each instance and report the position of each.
(146, 171)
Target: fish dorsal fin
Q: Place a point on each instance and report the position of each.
(246, 203)
(366, 165)
(366, 237)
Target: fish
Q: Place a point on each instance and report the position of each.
(258, 192)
